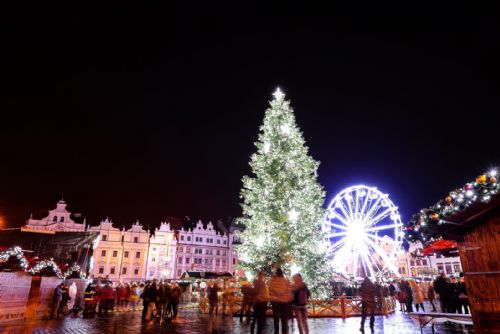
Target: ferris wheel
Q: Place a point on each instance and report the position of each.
(363, 232)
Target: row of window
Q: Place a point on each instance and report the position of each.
(200, 251)
(125, 254)
(449, 268)
(197, 260)
(418, 262)
(112, 270)
(105, 238)
(200, 239)
(55, 219)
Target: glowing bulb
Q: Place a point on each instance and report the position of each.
(469, 193)
(294, 269)
(493, 172)
(293, 215)
(285, 129)
(267, 147)
(278, 94)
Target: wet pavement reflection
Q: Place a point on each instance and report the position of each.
(190, 322)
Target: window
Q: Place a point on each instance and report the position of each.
(218, 252)
(208, 261)
(103, 253)
(123, 238)
(424, 262)
(223, 262)
(154, 249)
(217, 262)
(419, 263)
(137, 255)
(101, 269)
(188, 250)
(218, 241)
(115, 253)
(61, 220)
(225, 242)
(187, 260)
(234, 261)
(125, 254)
(456, 267)
(55, 219)
(151, 273)
(208, 252)
(440, 268)
(153, 260)
(136, 239)
(188, 238)
(179, 272)
(112, 270)
(124, 271)
(179, 260)
(448, 268)
(198, 251)
(224, 253)
(136, 270)
(438, 256)
(182, 238)
(412, 263)
(104, 237)
(197, 260)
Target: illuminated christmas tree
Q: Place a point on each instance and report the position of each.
(282, 203)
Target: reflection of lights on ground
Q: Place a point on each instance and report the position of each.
(352, 224)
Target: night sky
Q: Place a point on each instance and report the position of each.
(148, 114)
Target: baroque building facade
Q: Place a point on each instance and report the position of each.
(58, 220)
(206, 249)
(137, 254)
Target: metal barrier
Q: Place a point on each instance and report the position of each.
(341, 307)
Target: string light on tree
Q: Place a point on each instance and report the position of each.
(282, 202)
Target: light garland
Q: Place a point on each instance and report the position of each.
(421, 226)
(17, 252)
(39, 266)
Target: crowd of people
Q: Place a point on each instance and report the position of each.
(451, 292)
(287, 299)
(159, 299)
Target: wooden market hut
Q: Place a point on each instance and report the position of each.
(477, 230)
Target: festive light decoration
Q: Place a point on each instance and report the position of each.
(421, 226)
(39, 266)
(42, 265)
(17, 253)
(282, 203)
(351, 226)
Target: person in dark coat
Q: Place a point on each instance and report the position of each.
(462, 295)
(56, 301)
(152, 296)
(175, 297)
(367, 291)
(444, 289)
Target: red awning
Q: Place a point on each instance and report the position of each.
(440, 246)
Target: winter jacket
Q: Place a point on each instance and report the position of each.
(280, 290)
(367, 292)
(300, 294)
(260, 291)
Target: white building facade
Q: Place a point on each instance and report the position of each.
(161, 254)
(58, 220)
(427, 265)
(121, 255)
(205, 249)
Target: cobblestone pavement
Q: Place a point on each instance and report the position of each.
(191, 322)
